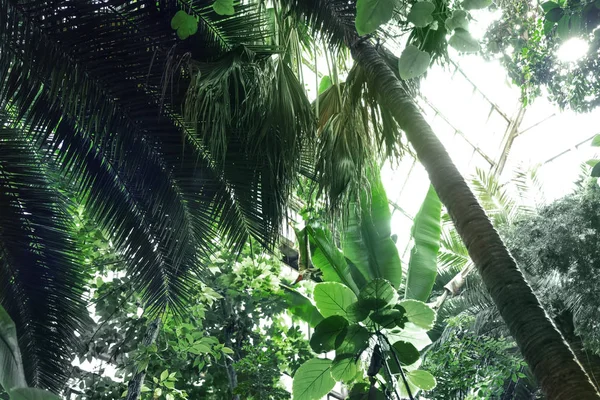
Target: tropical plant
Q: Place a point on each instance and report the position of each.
(358, 311)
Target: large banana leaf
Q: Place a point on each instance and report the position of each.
(426, 231)
(12, 374)
(367, 241)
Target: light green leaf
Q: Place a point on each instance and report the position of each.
(421, 379)
(426, 232)
(334, 299)
(313, 380)
(412, 334)
(413, 62)
(463, 41)
(406, 352)
(329, 334)
(185, 24)
(370, 14)
(419, 313)
(329, 259)
(27, 393)
(164, 375)
(356, 340)
(421, 14)
(458, 19)
(324, 84)
(11, 365)
(476, 4)
(301, 306)
(344, 368)
(377, 294)
(224, 7)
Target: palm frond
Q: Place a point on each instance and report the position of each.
(41, 280)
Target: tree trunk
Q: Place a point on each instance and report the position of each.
(553, 363)
(134, 388)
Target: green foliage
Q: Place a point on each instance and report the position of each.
(370, 14)
(420, 14)
(398, 326)
(224, 7)
(413, 62)
(466, 363)
(185, 24)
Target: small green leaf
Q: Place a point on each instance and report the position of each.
(164, 375)
(458, 19)
(178, 19)
(419, 313)
(324, 84)
(476, 4)
(376, 294)
(596, 171)
(549, 5)
(421, 379)
(413, 62)
(344, 368)
(406, 352)
(313, 380)
(563, 27)
(329, 334)
(421, 14)
(555, 14)
(370, 14)
(388, 319)
(463, 41)
(596, 141)
(227, 350)
(224, 7)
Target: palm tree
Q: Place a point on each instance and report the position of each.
(94, 93)
(550, 358)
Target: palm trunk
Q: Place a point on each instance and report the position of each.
(134, 388)
(553, 363)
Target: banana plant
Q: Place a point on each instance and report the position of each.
(375, 332)
(12, 372)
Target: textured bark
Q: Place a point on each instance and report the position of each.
(134, 388)
(553, 363)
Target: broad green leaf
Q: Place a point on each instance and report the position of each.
(356, 340)
(549, 5)
(27, 393)
(406, 352)
(548, 25)
(329, 334)
(419, 313)
(555, 14)
(404, 393)
(224, 7)
(301, 306)
(412, 334)
(389, 318)
(324, 84)
(421, 379)
(164, 375)
(562, 29)
(364, 391)
(357, 312)
(377, 294)
(476, 4)
(596, 171)
(458, 19)
(463, 41)
(313, 380)
(185, 24)
(178, 19)
(370, 14)
(333, 298)
(592, 163)
(367, 241)
(421, 14)
(11, 365)
(426, 231)
(344, 368)
(413, 62)
(329, 259)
